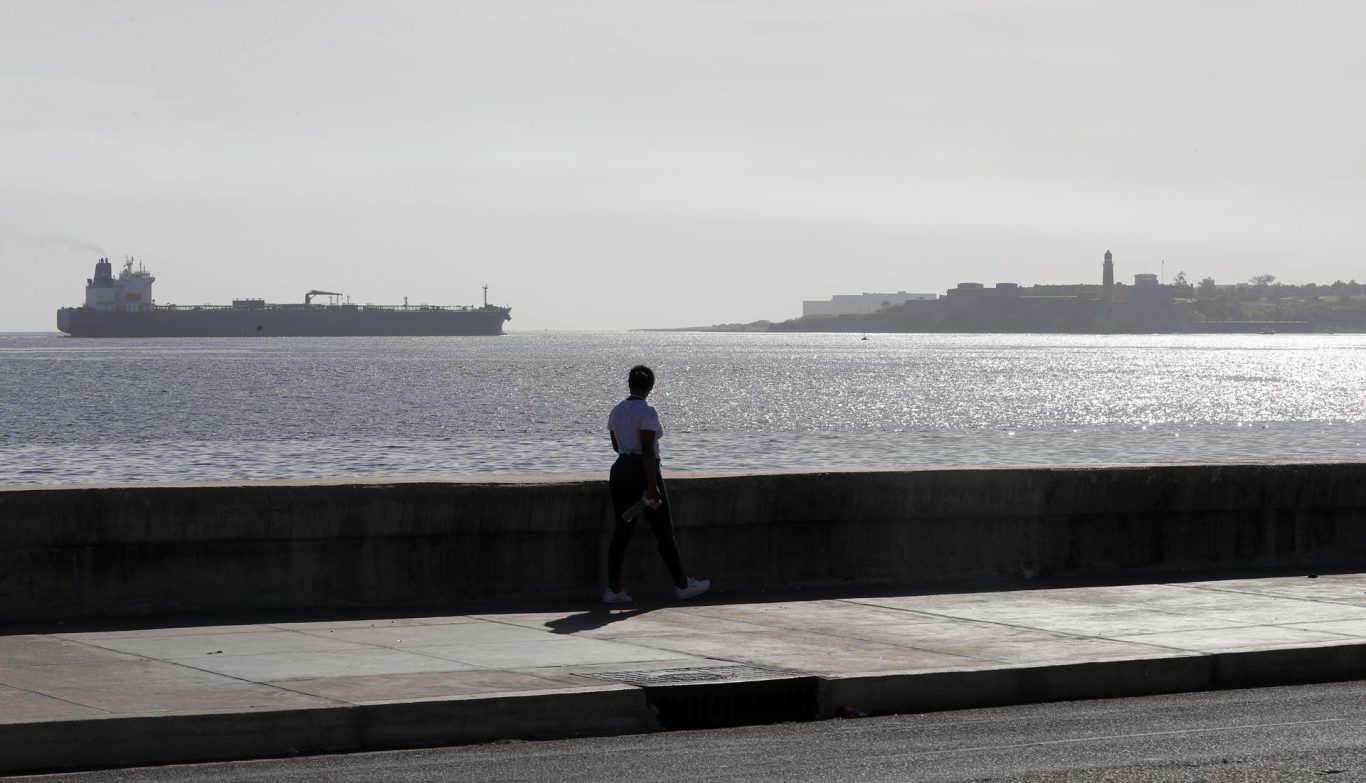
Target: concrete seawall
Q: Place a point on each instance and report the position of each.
(112, 550)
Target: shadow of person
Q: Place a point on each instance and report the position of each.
(594, 619)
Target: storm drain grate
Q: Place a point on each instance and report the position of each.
(685, 676)
(720, 696)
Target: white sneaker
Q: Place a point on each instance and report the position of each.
(617, 597)
(695, 588)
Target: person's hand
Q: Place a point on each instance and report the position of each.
(652, 496)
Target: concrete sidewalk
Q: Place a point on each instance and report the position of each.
(132, 693)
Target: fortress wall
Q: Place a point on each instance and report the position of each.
(113, 550)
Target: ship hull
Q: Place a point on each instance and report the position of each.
(316, 321)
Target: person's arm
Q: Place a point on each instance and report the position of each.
(647, 457)
(615, 447)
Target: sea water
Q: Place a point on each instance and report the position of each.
(84, 410)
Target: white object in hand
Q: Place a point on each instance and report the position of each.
(630, 514)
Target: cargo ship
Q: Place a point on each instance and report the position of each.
(123, 307)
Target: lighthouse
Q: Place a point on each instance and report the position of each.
(1108, 279)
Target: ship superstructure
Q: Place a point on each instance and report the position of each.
(130, 292)
(123, 307)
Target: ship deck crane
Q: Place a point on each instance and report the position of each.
(308, 297)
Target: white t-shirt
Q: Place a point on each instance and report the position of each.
(628, 418)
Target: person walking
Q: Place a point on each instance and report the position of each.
(635, 431)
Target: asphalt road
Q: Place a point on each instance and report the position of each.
(1269, 734)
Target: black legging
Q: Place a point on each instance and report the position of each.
(627, 484)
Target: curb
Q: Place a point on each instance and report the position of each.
(891, 693)
(115, 741)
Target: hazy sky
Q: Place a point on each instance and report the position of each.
(640, 164)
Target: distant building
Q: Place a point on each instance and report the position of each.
(1105, 306)
(859, 304)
